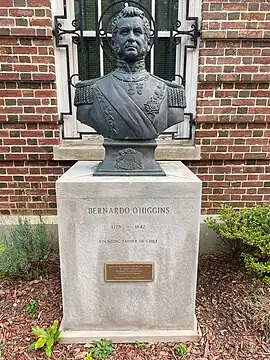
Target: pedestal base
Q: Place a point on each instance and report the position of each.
(147, 336)
(129, 158)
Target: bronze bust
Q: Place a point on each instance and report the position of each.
(129, 103)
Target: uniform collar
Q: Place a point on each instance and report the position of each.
(125, 67)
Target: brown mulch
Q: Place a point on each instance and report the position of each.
(224, 300)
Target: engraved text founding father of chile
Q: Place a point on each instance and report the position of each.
(129, 103)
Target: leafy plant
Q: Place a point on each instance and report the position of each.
(88, 356)
(2, 350)
(46, 338)
(102, 349)
(247, 232)
(180, 350)
(32, 308)
(139, 345)
(24, 249)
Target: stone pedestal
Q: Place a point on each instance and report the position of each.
(140, 232)
(129, 158)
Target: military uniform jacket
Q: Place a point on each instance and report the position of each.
(129, 106)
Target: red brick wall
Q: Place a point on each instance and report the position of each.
(28, 109)
(233, 106)
(233, 110)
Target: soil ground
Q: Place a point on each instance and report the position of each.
(231, 328)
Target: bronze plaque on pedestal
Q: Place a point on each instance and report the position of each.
(129, 271)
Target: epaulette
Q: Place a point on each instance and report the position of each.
(84, 92)
(176, 96)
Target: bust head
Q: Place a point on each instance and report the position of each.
(131, 34)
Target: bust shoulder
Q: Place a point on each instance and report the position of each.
(84, 91)
(176, 93)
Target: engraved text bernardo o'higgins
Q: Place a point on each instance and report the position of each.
(128, 210)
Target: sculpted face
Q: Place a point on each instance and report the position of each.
(131, 42)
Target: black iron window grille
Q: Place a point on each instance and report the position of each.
(90, 35)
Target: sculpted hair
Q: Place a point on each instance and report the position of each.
(130, 11)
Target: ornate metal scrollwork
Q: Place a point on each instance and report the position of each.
(58, 31)
(194, 33)
(70, 80)
(77, 34)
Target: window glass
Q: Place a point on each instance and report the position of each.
(90, 59)
(166, 14)
(88, 12)
(165, 52)
(89, 9)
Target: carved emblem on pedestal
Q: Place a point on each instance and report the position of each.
(129, 159)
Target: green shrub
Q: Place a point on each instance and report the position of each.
(24, 250)
(247, 232)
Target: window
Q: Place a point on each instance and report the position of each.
(174, 55)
